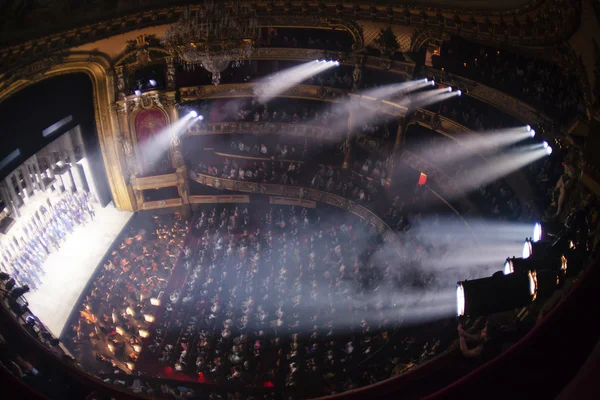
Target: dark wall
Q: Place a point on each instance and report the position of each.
(26, 114)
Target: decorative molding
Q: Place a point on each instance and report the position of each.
(309, 92)
(290, 201)
(263, 128)
(291, 192)
(219, 199)
(542, 22)
(97, 68)
(153, 205)
(154, 182)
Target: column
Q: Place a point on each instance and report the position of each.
(7, 200)
(15, 199)
(87, 175)
(31, 174)
(175, 144)
(397, 150)
(348, 142)
(19, 184)
(175, 152)
(76, 173)
(38, 173)
(170, 73)
(27, 178)
(125, 140)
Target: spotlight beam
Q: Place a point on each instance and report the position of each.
(153, 149)
(275, 84)
(496, 168)
(477, 144)
(395, 89)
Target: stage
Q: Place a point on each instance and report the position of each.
(68, 270)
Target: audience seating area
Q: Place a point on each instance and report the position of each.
(551, 87)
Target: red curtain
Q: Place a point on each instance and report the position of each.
(149, 123)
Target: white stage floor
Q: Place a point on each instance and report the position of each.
(69, 269)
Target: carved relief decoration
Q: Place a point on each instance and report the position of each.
(553, 21)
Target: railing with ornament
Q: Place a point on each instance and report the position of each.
(308, 92)
(154, 182)
(153, 205)
(219, 199)
(429, 119)
(263, 128)
(300, 193)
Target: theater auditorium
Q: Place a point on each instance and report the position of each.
(299, 199)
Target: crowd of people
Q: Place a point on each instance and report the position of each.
(252, 110)
(276, 147)
(23, 255)
(286, 296)
(122, 299)
(545, 85)
(307, 39)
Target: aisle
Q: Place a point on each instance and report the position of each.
(69, 269)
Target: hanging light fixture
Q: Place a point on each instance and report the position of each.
(213, 36)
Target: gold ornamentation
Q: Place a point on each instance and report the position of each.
(213, 37)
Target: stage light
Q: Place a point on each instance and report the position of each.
(137, 348)
(458, 92)
(537, 232)
(143, 333)
(535, 249)
(119, 330)
(460, 300)
(155, 301)
(432, 83)
(137, 92)
(527, 249)
(532, 133)
(449, 89)
(546, 282)
(19, 291)
(201, 117)
(425, 80)
(111, 348)
(557, 264)
(495, 294)
(149, 318)
(152, 82)
(129, 311)
(545, 144)
(194, 114)
(548, 150)
(528, 128)
(130, 366)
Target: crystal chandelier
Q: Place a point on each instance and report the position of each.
(213, 36)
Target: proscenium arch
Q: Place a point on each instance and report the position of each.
(96, 68)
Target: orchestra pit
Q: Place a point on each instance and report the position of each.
(293, 200)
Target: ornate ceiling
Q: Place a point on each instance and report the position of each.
(26, 18)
